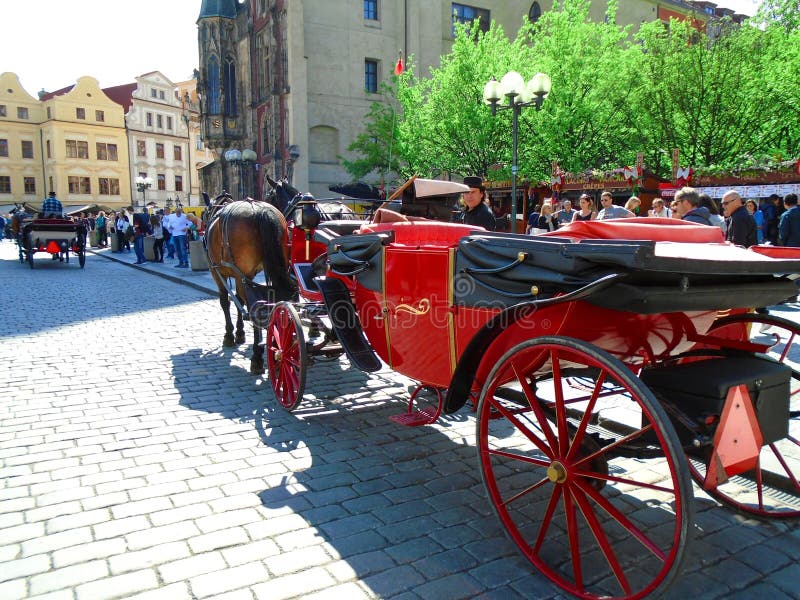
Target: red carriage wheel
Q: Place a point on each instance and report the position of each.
(286, 355)
(584, 469)
(772, 489)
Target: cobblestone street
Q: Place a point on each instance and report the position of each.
(140, 459)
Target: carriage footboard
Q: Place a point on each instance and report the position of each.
(346, 325)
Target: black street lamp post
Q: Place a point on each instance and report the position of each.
(518, 94)
(142, 184)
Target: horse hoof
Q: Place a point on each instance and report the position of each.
(257, 369)
(240, 339)
(228, 342)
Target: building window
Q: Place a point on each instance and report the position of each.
(154, 93)
(159, 150)
(213, 86)
(159, 121)
(30, 184)
(49, 114)
(371, 76)
(169, 123)
(161, 94)
(178, 150)
(4, 147)
(80, 113)
(2, 110)
(22, 112)
(5, 184)
(106, 151)
(141, 148)
(199, 142)
(108, 186)
(371, 10)
(77, 149)
(99, 116)
(79, 185)
(178, 183)
(535, 12)
(148, 119)
(162, 181)
(230, 88)
(47, 147)
(27, 149)
(467, 14)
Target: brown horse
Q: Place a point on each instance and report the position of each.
(243, 238)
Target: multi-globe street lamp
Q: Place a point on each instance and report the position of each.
(243, 160)
(142, 184)
(512, 93)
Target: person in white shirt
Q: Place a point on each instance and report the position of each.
(178, 224)
(659, 210)
(165, 219)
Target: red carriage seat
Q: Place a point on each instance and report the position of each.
(641, 228)
(423, 233)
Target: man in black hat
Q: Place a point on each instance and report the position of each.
(476, 211)
(51, 208)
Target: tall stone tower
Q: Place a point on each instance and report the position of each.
(223, 105)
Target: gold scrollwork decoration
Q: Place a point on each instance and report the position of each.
(422, 308)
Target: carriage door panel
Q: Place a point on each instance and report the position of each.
(417, 312)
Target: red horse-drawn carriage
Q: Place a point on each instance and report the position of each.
(608, 363)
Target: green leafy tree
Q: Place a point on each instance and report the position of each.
(376, 147)
(705, 97)
(785, 13)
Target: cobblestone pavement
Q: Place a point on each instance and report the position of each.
(140, 459)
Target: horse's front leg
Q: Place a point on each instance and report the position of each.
(225, 303)
(257, 362)
(240, 338)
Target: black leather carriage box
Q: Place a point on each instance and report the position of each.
(700, 389)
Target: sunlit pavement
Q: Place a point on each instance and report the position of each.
(140, 459)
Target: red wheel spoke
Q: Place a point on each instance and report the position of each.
(520, 457)
(547, 518)
(787, 347)
(532, 488)
(577, 440)
(574, 542)
(602, 540)
(785, 466)
(619, 442)
(530, 395)
(522, 428)
(615, 479)
(620, 518)
(561, 410)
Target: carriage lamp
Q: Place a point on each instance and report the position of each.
(142, 184)
(512, 93)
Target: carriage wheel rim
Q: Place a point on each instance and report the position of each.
(286, 356)
(569, 479)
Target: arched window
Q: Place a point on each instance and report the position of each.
(212, 93)
(535, 12)
(266, 135)
(229, 85)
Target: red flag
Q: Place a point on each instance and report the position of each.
(398, 67)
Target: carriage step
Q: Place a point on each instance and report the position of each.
(346, 325)
(426, 416)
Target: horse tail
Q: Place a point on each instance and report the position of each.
(272, 228)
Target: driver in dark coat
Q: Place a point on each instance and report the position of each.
(476, 211)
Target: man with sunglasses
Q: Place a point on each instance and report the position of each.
(742, 229)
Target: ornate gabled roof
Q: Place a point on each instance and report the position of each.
(218, 8)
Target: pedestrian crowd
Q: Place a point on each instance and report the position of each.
(744, 222)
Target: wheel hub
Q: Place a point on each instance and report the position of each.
(278, 355)
(556, 472)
